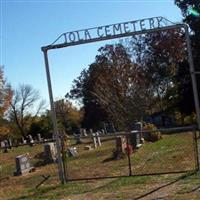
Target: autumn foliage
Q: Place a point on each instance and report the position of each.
(5, 98)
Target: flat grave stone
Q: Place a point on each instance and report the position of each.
(72, 151)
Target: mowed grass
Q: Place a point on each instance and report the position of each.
(172, 153)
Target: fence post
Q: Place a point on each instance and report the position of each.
(128, 154)
(64, 156)
(196, 151)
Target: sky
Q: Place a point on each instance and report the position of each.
(28, 25)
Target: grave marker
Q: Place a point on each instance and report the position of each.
(39, 137)
(94, 139)
(72, 151)
(50, 152)
(98, 139)
(22, 165)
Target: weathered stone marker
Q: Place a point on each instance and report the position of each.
(22, 165)
(120, 144)
(98, 139)
(30, 139)
(135, 139)
(84, 132)
(6, 146)
(138, 127)
(78, 139)
(50, 152)
(94, 139)
(23, 140)
(72, 151)
(136, 135)
(39, 137)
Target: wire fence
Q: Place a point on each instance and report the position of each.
(117, 155)
(98, 156)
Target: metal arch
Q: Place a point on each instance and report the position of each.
(96, 39)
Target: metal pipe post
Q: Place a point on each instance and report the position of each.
(53, 116)
(193, 75)
(128, 155)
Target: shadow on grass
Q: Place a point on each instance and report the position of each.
(166, 185)
(37, 194)
(81, 187)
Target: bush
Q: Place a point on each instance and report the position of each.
(191, 119)
(151, 136)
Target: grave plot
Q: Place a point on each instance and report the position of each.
(130, 154)
(29, 164)
(96, 157)
(174, 152)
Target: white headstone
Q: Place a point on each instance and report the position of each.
(94, 139)
(50, 152)
(39, 137)
(98, 139)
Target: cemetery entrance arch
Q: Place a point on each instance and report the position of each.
(108, 32)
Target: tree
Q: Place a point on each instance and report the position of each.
(93, 114)
(5, 97)
(128, 81)
(160, 54)
(191, 13)
(68, 117)
(120, 86)
(112, 89)
(22, 107)
(43, 125)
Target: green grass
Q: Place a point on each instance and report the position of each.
(173, 152)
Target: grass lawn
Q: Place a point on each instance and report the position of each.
(172, 153)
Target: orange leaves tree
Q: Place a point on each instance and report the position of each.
(68, 116)
(5, 98)
(131, 80)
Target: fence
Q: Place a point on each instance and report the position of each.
(176, 152)
(113, 156)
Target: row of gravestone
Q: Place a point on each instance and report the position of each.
(22, 162)
(8, 143)
(96, 139)
(23, 165)
(50, 153)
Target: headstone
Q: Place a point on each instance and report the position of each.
(72, 151)
(39, 137)
(135, 139)
(6, 146)
(142, 140)
(91, 131)
(94, 139)
(31, 141)
(84, 132)
(98, 139)
(103, 132)
(78, 139)
(10, 143)
(120, 145)
(50, 152)
(23, 140)
(22, 165)
(2, 144)
(88, 147)
(137, 126)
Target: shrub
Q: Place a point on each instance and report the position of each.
(151, 136)
(191, 119)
